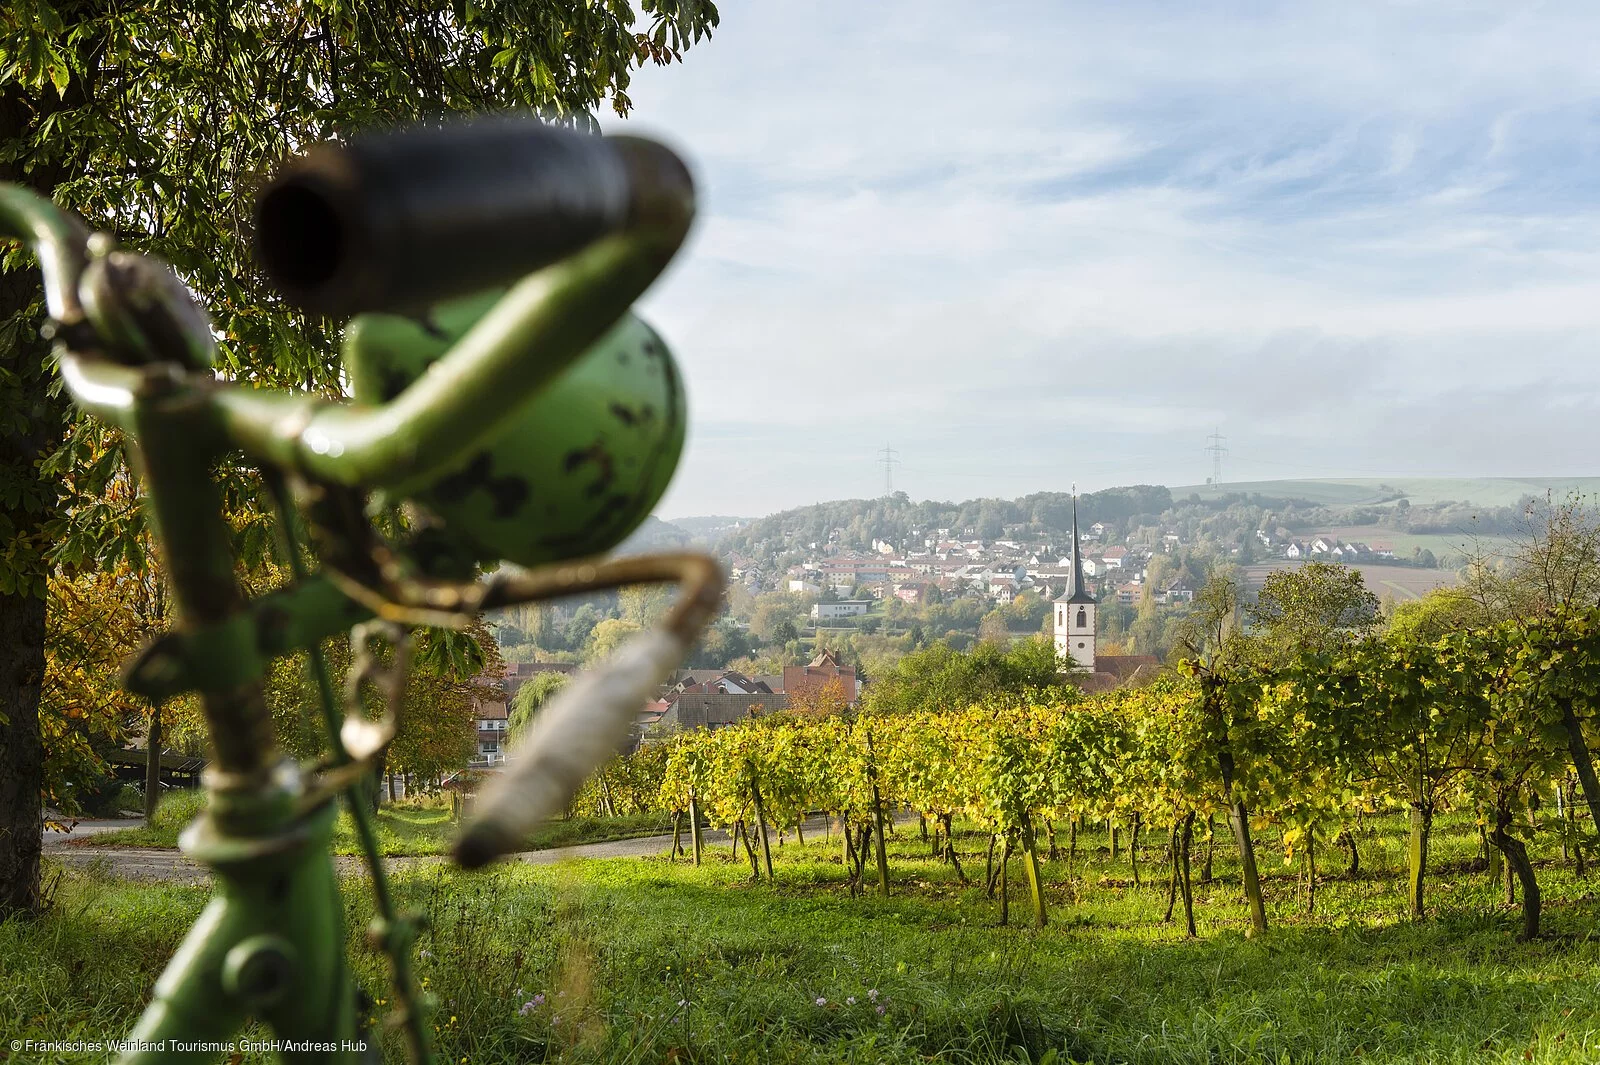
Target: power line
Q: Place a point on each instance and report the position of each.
(888, 461)
(1214, 445)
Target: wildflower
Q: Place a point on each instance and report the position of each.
(538, 1000)
(677, 1020)
(880, 1011)
(682, 1003)
(873, 994)
(821, 1001)
(517, 992)
(424, 953)
(851, 1001)
(527, 1008)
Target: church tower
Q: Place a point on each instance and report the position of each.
(1074, 620)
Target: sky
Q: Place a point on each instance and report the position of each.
(1028, 244)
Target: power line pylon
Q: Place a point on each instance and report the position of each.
(888, 461)
(1214, 445)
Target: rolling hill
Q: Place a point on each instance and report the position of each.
(1486, 491)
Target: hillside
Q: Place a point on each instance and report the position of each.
(1424, 522)
(1339, 491)
(709, 527)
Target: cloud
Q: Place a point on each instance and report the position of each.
(1029, 243)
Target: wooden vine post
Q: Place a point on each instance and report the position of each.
(694, 825)
(877, 820)
(761, 822)
(1031, 866)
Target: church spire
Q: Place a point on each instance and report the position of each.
(1076, 591)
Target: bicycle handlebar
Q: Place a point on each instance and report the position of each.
(403, 244)
(398, 221)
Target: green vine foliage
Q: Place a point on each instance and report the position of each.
(1391, 720)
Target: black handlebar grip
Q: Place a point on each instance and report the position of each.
(397, 221)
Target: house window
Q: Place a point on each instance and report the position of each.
(1083, 618)
(489, 747)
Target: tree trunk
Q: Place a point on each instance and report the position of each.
(1581, 760)
(1072, 842)
(990, 874)
(1348, 838)
(1516, 853)
(1417, 854)
(950, 847)
(152, 766)
(375, 793)
(21, 746)
(31, 431)
(1211, 846)
(1050, 833)
(1111, 834)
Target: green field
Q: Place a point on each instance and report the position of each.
(641, 961)
(1398, 582)
(1488, 491)
(1443, 545)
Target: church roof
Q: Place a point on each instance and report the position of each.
(1075, 591)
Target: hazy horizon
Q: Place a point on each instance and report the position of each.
(1491, 491)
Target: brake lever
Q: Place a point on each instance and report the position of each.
(587, 721)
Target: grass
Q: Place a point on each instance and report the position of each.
(639, 960)
(419, 827)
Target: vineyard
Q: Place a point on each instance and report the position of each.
(1496, 723)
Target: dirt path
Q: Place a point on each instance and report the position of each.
(161, 864)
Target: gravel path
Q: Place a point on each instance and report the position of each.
(161, 864)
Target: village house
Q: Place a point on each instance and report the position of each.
(844, 608)
(493, 723)
(821, 670)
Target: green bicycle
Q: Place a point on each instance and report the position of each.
(504, 401)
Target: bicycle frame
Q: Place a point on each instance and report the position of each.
(134, 351)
